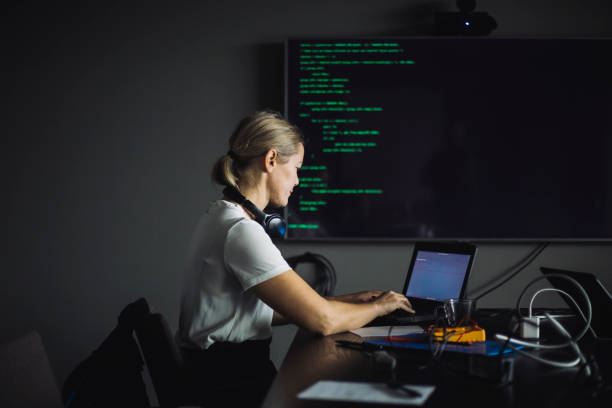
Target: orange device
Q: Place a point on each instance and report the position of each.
(460, 334)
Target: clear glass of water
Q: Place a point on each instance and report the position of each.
(458, 312)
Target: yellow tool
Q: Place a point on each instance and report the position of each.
(461, 334)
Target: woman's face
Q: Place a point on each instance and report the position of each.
(284, 178)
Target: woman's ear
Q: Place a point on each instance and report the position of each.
(271, 159)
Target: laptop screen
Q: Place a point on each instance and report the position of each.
(438, 275)
(600, 298)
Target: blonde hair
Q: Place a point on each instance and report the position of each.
(254, 136)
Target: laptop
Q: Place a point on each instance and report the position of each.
(599, 296)
(438, 271)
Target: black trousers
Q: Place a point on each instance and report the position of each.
(230, 373)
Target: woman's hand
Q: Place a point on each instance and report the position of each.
(389, 301)
(294, 299)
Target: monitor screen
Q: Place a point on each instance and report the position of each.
(438, 275)
(451, 138)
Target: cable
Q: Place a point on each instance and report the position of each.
(572, 341)
(560, 364)
(555, 290)
(436, 349)
(582, 292)
(510, 269)
(573, 344)
(527, 261)
(325, 282)
(329, 271)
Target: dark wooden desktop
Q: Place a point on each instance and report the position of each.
(312, 358)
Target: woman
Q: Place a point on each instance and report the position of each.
(238, 285)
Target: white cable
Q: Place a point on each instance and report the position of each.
(547, 290)
(559, 327)
(560, 291)
(587, 319)
(554, 363)
(573, 343)
(520, 342)
(571, 340)
(561, 364)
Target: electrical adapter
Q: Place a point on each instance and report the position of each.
(530, 327)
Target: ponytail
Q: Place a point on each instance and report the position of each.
(222, 172)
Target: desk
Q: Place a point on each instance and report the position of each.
(312, 358)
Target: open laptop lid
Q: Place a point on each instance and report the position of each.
(601, 300)
(439, 271)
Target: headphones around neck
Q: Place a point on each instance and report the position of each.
(274, 225)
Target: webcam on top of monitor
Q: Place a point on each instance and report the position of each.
(466, 21)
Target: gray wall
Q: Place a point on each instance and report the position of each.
(113, 115)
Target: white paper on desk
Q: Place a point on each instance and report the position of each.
(379, 393)
(381, 331)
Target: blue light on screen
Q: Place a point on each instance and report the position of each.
(437, 275)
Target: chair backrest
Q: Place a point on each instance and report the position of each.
(26, 378)
(112, 374)
(163, 359)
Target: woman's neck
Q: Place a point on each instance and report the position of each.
(257, 194)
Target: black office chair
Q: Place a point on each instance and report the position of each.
(112, 374)
(164, 361)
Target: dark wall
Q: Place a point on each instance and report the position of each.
(113, 115)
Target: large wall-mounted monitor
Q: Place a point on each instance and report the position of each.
(452, 138)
